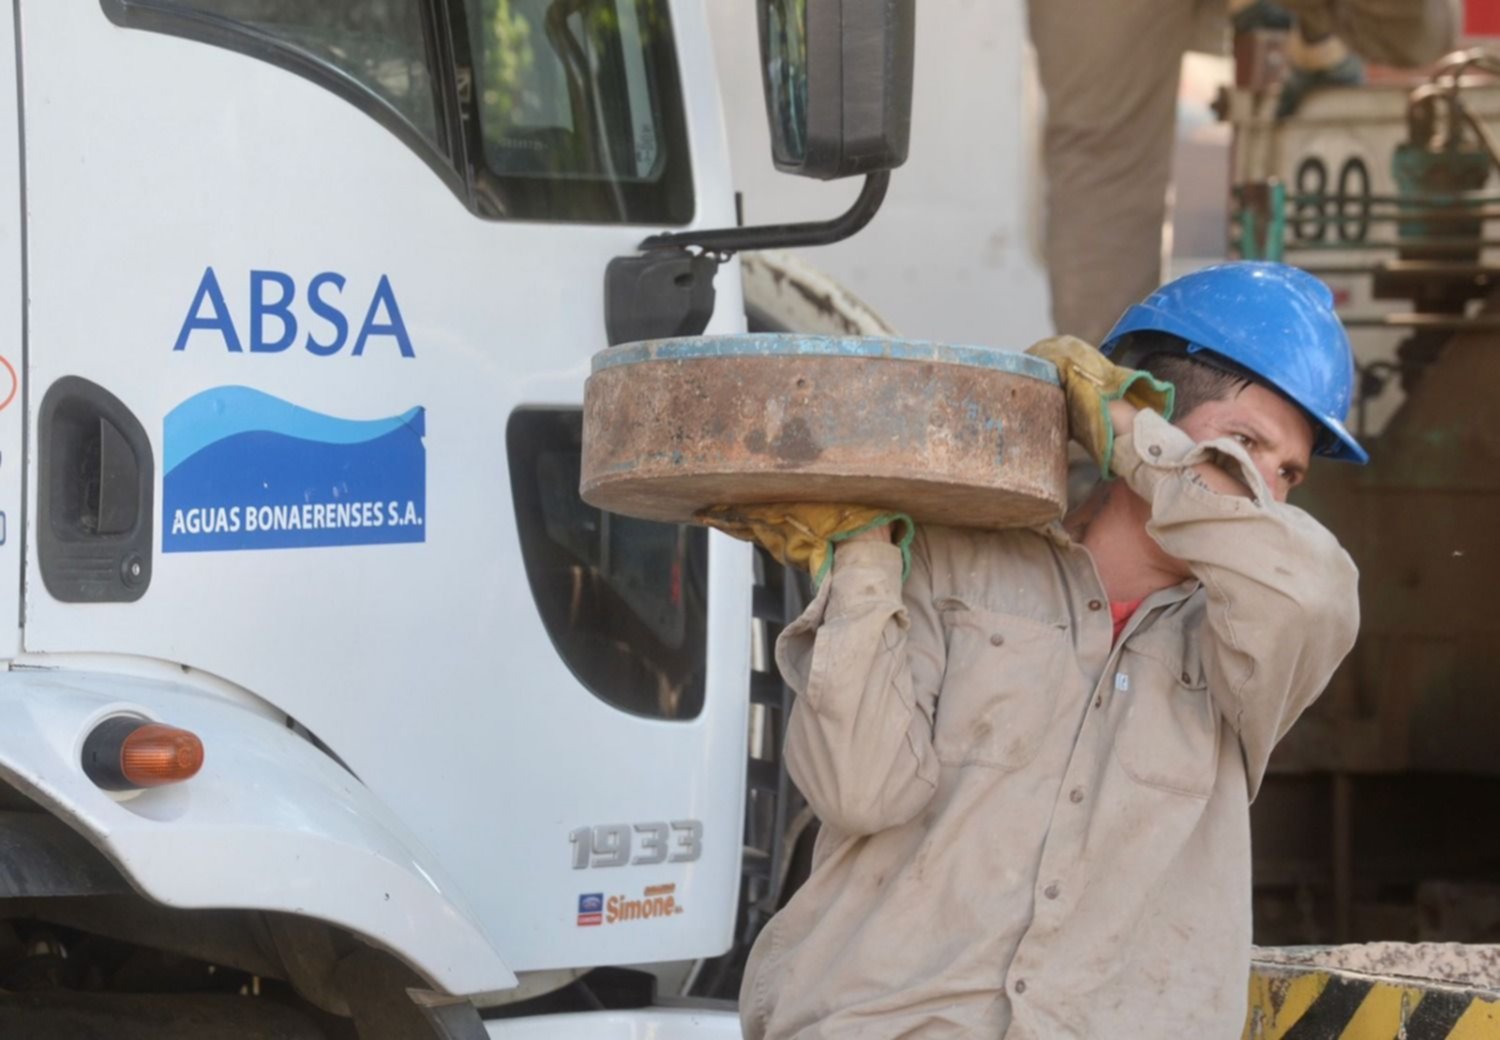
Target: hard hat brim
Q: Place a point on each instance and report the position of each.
(1341, 446)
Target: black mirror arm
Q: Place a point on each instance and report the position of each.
(725, 241)
(667, 290)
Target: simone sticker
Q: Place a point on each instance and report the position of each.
(655, 901)
(246, 470)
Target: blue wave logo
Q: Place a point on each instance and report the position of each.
(247, 470)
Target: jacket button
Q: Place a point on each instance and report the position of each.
(1155, 450)
(1099, 700)
(1051, 891)
(997, 639)
(1186, 678)
(1095, 604)
(1020, 986)
(1076, 795)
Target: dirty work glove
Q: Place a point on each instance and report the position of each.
(803, 535)
(1091, 381)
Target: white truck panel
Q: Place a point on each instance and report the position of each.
(424, 666)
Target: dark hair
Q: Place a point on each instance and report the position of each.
(1198, 378)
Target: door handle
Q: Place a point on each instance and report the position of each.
(95, 501)
(119, 482)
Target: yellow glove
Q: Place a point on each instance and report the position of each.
(803, 535)
(1091, 381)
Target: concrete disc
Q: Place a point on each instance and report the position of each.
(965, 436)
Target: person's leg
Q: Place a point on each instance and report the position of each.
(1110, 70)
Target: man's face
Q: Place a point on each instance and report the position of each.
(1277, 437)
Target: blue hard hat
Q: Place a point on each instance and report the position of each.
(1272, 320)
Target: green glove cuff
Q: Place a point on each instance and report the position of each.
(908, 532)
(1168, 393)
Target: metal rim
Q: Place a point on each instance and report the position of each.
(697, 348)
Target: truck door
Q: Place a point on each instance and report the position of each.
(326, 277)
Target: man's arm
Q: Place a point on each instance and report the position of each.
(866, 662)
(1283, 605)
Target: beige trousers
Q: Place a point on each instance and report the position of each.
(1109, 69)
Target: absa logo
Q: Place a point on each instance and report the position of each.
(273, 295)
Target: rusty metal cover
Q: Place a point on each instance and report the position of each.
(968, 436)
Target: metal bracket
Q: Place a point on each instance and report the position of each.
(665, 292)
(667, 289)
(727, 241)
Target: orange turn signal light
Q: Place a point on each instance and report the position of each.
(154, 755)
(124, 754)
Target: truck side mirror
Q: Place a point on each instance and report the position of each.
(837, 77)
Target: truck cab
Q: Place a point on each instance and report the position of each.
(298, 302)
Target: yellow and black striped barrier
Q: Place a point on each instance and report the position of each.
(1307, 1002)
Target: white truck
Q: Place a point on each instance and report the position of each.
(297, 300)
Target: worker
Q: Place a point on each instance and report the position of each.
(1033, 759)
(1110, 74)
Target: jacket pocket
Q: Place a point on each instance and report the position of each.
(1000, 688)
(1168, 736)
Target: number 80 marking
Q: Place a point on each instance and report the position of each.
(610, 845)
(1348, 211)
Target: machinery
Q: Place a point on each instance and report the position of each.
(1374, 825)
(331, 710)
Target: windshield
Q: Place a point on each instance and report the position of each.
(580, 113)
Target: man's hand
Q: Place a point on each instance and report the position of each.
(1217, 478)
(804, 534)
(1122, 416)
(1092, 384)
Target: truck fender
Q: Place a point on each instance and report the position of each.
(270, 822)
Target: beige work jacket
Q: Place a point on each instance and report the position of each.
(1030, 831)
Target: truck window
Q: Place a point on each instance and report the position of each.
(624, 601)
(380, 44)
(555, 110)
(580, 111)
